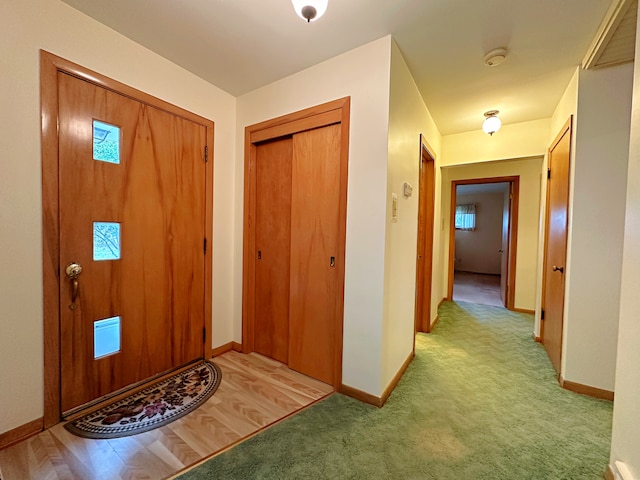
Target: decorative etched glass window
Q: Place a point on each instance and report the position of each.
(106, 142)
(106, 241)
(106, 337)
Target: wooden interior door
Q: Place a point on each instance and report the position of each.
(556, 245)
(153, 279)
(273, 244)
(424, 262)
(314, 291)
(504, 249)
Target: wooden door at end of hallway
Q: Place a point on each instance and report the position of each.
(314, 283)
(132, 214)
(556, 245)
(424, 264)
(504, 248)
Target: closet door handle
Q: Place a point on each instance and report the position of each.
(332, 262)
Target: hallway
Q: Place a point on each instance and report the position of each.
(479, 401)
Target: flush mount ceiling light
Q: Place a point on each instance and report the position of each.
(310, 10)
(491, 123)
(495, 57)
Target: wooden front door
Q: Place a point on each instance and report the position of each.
(424, 263)
(556, 245)
(132, 215)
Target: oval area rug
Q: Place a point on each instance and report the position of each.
(152, 407)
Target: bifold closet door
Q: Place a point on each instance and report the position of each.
(273, 238)
(314, 247)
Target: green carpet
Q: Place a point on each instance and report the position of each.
(479, 401)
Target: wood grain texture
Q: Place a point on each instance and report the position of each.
(313, 117)
(555, 250)
(157, 194)
(426, 213)
(51, 67)
(20, 433)
(586, 389)
(255, 392)
(273, 243)
(314, 238)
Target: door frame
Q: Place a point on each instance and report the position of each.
(513, 232)
(50, 65)
(330, 113)
(426, 215)
(567, 129)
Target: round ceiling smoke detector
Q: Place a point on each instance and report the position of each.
(495, 57)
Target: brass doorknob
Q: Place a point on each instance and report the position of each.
(73, 270)
(558, 269)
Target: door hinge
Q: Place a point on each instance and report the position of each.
(542, 314)
(204, 334)
(206, 153)
(205, 245)
(548, 173)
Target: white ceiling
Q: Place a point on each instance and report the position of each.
(240, 45)
(500, 187)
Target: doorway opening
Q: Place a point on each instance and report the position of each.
(483, 240)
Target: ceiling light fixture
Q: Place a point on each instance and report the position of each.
(491, 123)
(310, 10)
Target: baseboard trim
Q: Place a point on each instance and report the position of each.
(523, 310)
(586, 389)
(537, 338)
(394, 381)
(435, 322)
(444, 299)
(608, 473)
(21, 433)
(227, 347)
(360, 395)
(372, 399)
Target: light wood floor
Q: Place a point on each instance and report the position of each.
(255, 392)
(477, 288)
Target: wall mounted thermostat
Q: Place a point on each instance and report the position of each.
(408, 189)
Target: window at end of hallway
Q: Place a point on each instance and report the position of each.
(466, 217)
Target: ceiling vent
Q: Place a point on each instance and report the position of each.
(616, 38)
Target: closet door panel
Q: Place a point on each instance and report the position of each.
(273, 239)
(314, 235)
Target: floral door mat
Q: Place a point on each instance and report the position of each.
(153, 407)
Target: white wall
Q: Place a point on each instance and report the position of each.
(594, 263)
(478, 250)
(363, 74)
(27, 26)
(626, 409)
(529, 171)
(408, 118)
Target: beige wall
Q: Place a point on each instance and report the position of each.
(408, 118)
(529, 171)
(626, 409)
(596, 231)
(28, 26)
(519, 140)
(478, 250)
(363, 74)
